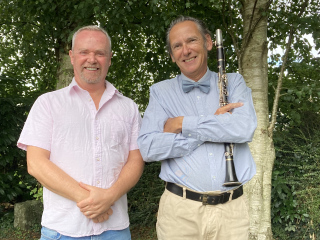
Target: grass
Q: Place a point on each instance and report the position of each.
(8, 232)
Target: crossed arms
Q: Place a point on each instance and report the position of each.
(174, 125)
(171, 128)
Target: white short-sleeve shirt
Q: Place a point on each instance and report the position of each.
(90, 145)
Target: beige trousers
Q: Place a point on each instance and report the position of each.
(183, 219)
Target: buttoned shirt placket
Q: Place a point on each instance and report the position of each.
(97, 161)
(201, 104)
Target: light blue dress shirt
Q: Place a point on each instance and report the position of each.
(195, 157)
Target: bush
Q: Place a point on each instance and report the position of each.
(295, 183)
(13, 108)
(143, 199)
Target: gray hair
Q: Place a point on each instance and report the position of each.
(201, 26)
(91, 28)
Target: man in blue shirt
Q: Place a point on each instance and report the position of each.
(185, 129)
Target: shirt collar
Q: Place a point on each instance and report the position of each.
(110, 89)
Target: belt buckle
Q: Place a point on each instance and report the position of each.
(205, 199)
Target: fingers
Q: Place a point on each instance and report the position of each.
(231, 106)
(84, 204)
(228, 108)
(97, 206)
(235, 105)
(99, 218)
(110, 211)
(173, 125)
(90, 215)
(90, 212)
(103, 217)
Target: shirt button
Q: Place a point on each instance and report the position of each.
(98, 182)
(98, 159)
(97, 138)
(210, 154)
(189, 135)
(198, 145)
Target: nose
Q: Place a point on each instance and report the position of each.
(185, 50)
(91, 58)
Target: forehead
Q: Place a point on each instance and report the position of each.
(89, 38)
(183, 30)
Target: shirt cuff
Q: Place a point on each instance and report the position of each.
(189, 127)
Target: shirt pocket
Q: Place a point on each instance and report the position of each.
(119, 132)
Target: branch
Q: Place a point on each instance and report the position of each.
(231, 33)
(253, 10)
(252, 27)
(283, 67)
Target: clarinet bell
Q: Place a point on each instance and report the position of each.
(231, 179)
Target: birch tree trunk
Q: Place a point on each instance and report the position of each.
(253, 66)
(65, 72)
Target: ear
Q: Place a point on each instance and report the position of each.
(71, 56)
(109, 59)
(111, 54)
(209, 42)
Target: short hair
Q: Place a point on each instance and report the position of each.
(91, 28)
(201, 26)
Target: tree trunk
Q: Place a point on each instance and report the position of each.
(65, 72)
(254, 68)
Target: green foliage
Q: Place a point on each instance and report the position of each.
(295, 203)
(137, 29)
(34, 187)
(295, 186)
(144, 198)
(139, 55)
(13, 107)
(36, 192)
(34, 35)
(301, 85)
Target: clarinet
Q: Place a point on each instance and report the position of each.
(231, 177)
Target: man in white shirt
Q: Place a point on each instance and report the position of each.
(81, 146)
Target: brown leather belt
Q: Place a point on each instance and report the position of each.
(206, 199)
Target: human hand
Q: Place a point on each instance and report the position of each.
(227, 108)
(98, 205)
(173, 125)
(103, 217)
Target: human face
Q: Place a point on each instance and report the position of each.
(189, 50)
(90, 57)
